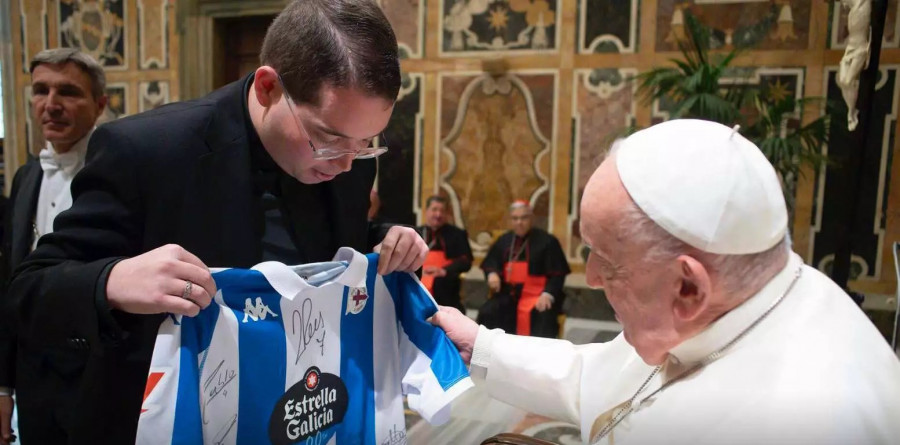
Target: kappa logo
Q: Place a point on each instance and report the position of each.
(356, 300)
(258, 312)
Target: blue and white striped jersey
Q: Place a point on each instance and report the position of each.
(314, 354)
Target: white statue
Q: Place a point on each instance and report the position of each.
(856, 56)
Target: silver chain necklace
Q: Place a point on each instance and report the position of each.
(629, 407)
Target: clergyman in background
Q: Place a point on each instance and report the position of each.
(527, 267)
(449, 254)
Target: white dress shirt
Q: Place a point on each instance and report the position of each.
(56, 195)
(815, 371)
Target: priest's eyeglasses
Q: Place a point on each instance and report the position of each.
(326, 152)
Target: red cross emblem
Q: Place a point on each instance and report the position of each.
(356, 300)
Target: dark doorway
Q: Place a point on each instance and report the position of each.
(236, 46)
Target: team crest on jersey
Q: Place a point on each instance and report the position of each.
(310, 407)
(356, 300)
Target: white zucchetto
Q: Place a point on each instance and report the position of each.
(706, 185)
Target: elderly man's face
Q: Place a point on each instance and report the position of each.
(641, 293)
(63, 103)
(520, 221)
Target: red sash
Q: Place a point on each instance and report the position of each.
(435, 258)
(516, 272)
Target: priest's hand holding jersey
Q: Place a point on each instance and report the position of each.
(154, 282)
(727, 336)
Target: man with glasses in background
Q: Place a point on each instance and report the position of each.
(277, 166)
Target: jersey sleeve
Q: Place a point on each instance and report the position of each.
(433, 371)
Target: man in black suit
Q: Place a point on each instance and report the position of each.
(258, 170)
(67, 96)
(449, 254)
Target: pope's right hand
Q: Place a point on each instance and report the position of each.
(459, 328)
(494, 281)
(156, 282)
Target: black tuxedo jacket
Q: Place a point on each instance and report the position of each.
(45, 378)
(179, 174)
(18, 235)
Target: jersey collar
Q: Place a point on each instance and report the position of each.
(348, 268)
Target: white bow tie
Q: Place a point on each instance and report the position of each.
(52, 161)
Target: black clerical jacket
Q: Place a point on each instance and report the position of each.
(18, 236)
(546, 259)
(179, 174)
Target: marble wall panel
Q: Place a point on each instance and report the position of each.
(838, 28)
(34, 138)
(498, 26)
(604, 105)
(97, 27)
(408, 20)
(153, 33)
(760, 24)
(495, 148)
(118, 102)
(152, 95)
(608, 26)
(33, 37)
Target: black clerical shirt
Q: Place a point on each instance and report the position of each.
(272, 219)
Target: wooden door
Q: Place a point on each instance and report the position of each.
(238, 41)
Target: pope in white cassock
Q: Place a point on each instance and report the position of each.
(728, 337)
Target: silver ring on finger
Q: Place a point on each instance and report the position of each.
(188, 286)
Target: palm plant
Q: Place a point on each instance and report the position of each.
(698, 86)
(694, 85)
(783, 139)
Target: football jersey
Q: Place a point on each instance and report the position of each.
(320, 353)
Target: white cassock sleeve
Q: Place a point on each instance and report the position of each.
(540, 375)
